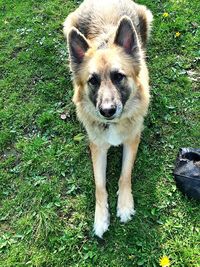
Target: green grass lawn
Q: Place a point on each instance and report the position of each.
(46, 178)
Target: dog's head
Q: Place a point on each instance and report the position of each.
(106, 76)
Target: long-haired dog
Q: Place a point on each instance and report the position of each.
(106, 42)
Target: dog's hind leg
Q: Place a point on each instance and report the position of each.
(99, 159)
(125, 205)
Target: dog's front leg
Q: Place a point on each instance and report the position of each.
(125, 205)
(99, 159)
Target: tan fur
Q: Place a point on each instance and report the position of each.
(125, 129)
(125, 206)
(99, 165)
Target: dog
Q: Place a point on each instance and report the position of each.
(106, 42)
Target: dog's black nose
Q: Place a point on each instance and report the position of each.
(108, 112)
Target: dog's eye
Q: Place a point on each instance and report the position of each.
(117, 77)
(94, 80)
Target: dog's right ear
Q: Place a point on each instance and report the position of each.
(78, 46)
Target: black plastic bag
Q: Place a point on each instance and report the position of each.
(187, 172)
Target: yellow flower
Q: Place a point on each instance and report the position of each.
(131, 257)
(164, 261)
(165, 14)
(177, 34)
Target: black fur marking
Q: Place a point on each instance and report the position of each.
(86, 25)
(83, 24)
(143, 29)
(94, 87)
(124, 91)
(116, 77)
(105, 126)
(121, 86)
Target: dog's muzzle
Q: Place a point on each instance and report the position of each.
(109, 110)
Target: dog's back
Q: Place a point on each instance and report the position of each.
(98, 20)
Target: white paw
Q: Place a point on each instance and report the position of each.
(125, 213)
(125, 207)
(101, 222)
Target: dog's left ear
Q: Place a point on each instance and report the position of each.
(126, 36)
(78, 46)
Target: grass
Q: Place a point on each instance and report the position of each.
(46, 180)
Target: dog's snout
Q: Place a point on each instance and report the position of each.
(108, 111)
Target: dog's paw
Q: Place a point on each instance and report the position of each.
(101, 222)
(125, 213)
(100, 228)
(125, 208)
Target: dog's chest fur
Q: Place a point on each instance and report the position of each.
(113, 136)
(114, 133)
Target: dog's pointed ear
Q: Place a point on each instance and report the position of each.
(126, 36)
(78, 46)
